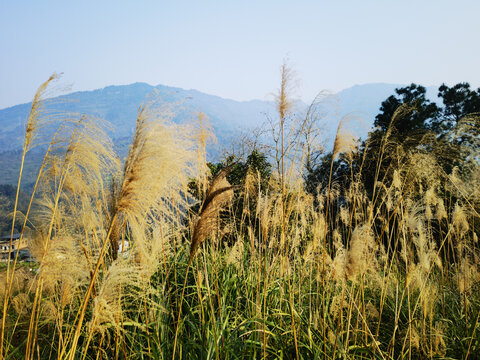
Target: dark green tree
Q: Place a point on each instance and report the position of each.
(418, 115)
(456, 127)
(257, 164)
(407, 117)
(316, 177)
(409, 123)
(458, 102)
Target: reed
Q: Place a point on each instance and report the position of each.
(154, 257)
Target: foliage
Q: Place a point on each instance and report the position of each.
(7, 199)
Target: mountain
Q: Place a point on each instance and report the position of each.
(118, 105)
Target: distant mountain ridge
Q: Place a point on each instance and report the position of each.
(119, 104)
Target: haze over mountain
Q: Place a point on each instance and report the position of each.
(119, 104)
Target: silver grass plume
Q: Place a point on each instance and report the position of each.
(218, 195)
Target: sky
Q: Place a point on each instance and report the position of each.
(234, 49)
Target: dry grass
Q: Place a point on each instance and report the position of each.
(289, 274)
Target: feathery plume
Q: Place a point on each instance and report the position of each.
(218, 195)
(345, 140)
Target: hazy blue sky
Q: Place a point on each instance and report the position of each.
(234, 48)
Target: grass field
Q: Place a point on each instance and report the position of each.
(160, 258)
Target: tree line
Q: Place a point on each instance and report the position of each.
(408, 123)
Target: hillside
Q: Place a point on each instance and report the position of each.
(118, 105)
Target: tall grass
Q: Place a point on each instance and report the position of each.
(129, 269)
